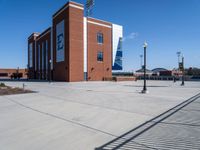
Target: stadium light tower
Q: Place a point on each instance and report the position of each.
(89, 7)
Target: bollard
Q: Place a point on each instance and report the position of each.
(23, 87)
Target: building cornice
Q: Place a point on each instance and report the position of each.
(44, 33)
(69, 4)
(33, 34)
(99, 24)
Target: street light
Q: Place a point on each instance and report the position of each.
(179, 62)
(144, 87)
(27, 71)
(183, 74)
(178, 54)
(141, 61)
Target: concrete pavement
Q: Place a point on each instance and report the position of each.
(82, 116)
(177, 129)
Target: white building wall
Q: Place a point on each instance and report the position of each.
(117, 35)
(85, 43)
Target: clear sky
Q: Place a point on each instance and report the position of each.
(168, 26)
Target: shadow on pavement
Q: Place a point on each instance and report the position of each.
(147, 86)
(21, 80)
(168, 130)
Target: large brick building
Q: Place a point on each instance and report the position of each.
(75, 48)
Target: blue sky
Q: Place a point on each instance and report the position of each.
(168, 26)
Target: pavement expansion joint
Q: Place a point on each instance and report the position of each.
(128, 138)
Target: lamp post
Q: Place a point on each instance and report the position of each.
(178, 54)
(179, 62)
(183, 74)
(27, 71)
(145, 87)
(141, 57)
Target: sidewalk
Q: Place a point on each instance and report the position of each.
(83, 115)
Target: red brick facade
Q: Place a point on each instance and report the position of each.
(98, 70)
(68, 22)
(71, 69)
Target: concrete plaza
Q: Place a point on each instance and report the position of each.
(84, 115)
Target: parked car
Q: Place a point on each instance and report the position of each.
(16, 76)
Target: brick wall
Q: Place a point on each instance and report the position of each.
(99, 70)
(71, 69)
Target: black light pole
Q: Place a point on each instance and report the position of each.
(27, 71)
(141, 61)
(179, 69)
(178, 54)
(145, 87)
(183, 74)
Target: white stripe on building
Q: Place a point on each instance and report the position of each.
(85, 45)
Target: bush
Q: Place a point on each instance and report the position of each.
(2, 85)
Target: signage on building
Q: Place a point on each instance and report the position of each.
(60, 44)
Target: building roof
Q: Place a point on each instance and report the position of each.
(142, 70)
(44, 33)
(66, 5)
(102, 21)
(34, 34)
(158, 70)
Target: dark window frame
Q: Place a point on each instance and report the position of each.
(100, 56)
(100, 38)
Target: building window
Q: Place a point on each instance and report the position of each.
(43, 56)
(100, 38)
(35, 56)
(31, 55)
(47, 61)
(3, 74)
(39, 57)
(100, 56)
